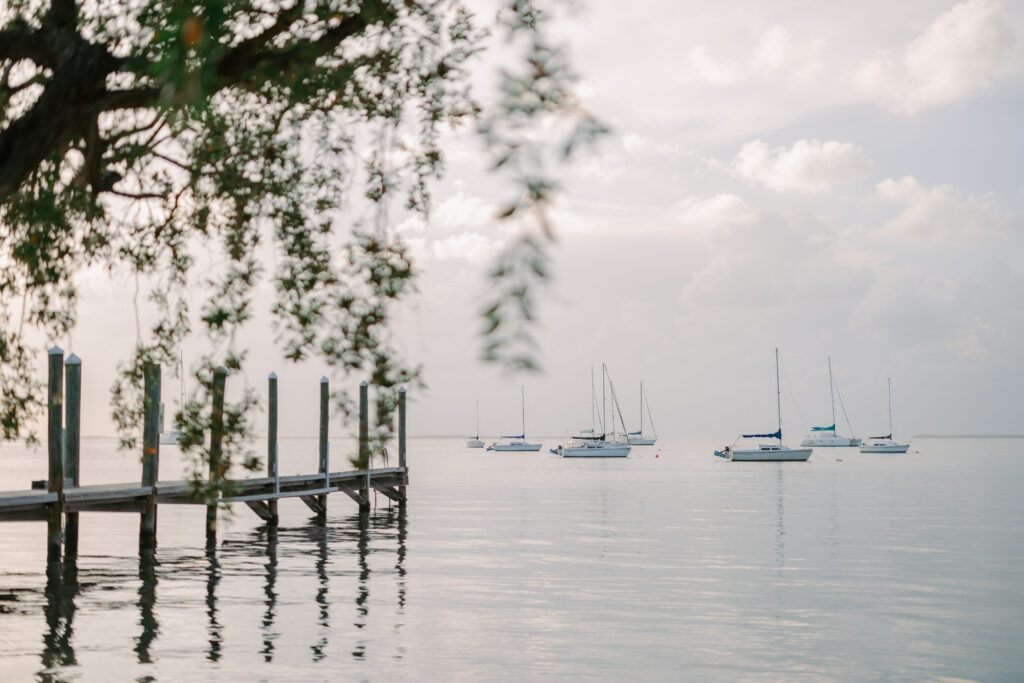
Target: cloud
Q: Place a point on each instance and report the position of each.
(809, 166)
(634, 143)
(938, 214)
(776, 53)
(708, 213)
(961, 52)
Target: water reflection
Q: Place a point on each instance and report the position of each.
(59, 612)
(363, 589)
(147, 602)
(329, 556)
(269, 590)
(324, 616)
(213, 573)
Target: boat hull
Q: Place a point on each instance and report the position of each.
(514, 447)
(770, 455)
(617, 451)
(830, 442)
(885, 448)
(641, 441)
(474, 443)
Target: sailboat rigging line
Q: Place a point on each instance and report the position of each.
(650, 418)
(843, 406)
(792, 396)
(615, 400)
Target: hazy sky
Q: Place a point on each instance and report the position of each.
(833, 179)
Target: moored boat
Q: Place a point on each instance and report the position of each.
(767, 452)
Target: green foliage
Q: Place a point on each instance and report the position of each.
(247, 131)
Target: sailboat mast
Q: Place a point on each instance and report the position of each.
(477, 437)
(831, 394)
(522, 389)
(778, 393)
(593, 404)
(889, 379)
(604, 402)
(641, 407)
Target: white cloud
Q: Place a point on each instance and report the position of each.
(466, 246)
(776, 53)
(938, 214)
(961, 52)
(708, 213)
(808, 166)
(634, 143)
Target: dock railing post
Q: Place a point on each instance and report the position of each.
(55, 447)
(150, 453)
(401, 441)
(325, 402)
(216, 434)
(364, 440)
(72, 438)
(272, 445)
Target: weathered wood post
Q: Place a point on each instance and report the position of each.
(272, 445)
(325, 402)
(401, 441)
(72, 440)
(55, 447)
(364, 442)
(216, 434)
(150, 453)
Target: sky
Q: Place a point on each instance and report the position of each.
(836, 180)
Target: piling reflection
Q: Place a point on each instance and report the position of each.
(59, 612)
(213, 573)
(270, 593)
(147, 602)
(323, 613)
(334, 559)
(363, 587)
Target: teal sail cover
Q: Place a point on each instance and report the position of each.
(824, 429)
(776, 435)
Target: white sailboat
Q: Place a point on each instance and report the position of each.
(827, 436)
(517, 442)
(174, 435)
(885, 444)
(638, 438)
(594, 445)
(767, 452)
(475, 442)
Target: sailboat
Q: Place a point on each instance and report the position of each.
(517, 442)
(826, 436)
(475, 442)
(174, 435)
(637, 438)
(593, 445)
(767, 452)
(885, 444)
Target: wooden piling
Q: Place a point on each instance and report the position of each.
(401, 439)
(272, 445)
(55, 446)
(216, 434)
(72, 440)
(150, 453)
(325, 447)
(364, 441)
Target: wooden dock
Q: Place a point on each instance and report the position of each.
(65, 498)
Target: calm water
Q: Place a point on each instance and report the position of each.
(529, 567)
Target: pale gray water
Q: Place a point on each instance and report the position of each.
(518, 566)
